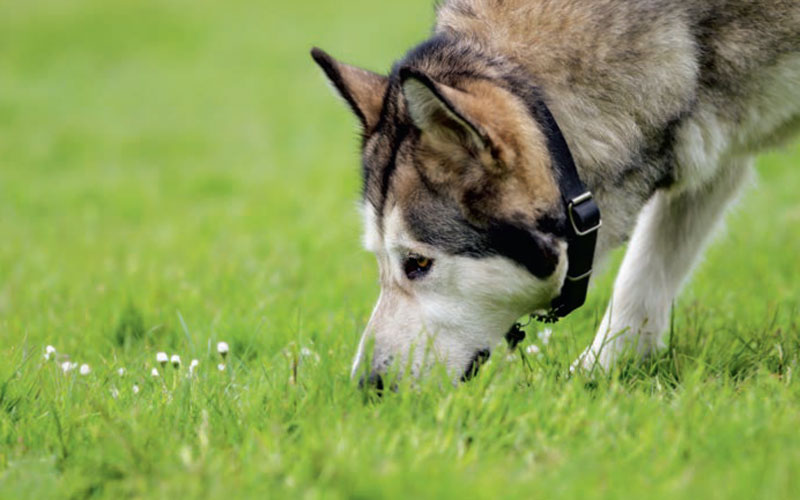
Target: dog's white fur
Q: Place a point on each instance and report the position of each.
(671, 231)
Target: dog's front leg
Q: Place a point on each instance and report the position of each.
(669, 236)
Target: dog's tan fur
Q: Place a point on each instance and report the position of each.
(517, 172)
(663, 104)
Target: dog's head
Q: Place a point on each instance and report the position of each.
(461, 208)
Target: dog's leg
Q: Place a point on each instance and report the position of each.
(670, 234)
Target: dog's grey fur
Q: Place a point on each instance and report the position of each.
(663, 104)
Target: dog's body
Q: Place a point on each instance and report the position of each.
(663, 104)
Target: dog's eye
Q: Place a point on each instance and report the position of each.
(417, 266)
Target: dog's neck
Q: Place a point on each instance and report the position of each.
(622, 178)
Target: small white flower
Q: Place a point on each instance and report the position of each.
(544, 336)
(121, 372)
(175, 360)
(154, 372)
(222, 349)
(49, 352)
(162, 358)
(67, 367)
(194, 364)
(221, 367)
(307, 353)
(114, 393)
(135, 389)
(532, 349)
(85, 370)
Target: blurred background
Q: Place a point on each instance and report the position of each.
(180, 155)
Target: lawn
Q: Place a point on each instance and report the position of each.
(174, 174)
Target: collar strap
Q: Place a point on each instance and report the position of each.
(583, 217)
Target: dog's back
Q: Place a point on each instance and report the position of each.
(673, 87)
(580, 41)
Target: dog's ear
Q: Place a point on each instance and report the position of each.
(452, 117)
(362, 90)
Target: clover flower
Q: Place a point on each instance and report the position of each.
(49, 353)
(221, 367)
(135, 389)
(85, 370)
(194, 364)
(222, 349)
(68, 366)
(154, 372)
(544, 336)
(176, 361)
(307, 353)
(162, 358)
(121, 372)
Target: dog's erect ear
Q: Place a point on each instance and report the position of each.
(439, 110)
(362, 90)
(453, 117)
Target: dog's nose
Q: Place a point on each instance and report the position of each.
(374, 380)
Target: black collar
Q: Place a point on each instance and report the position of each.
(583, 217)
(583, 221)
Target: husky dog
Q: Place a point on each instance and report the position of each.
(663, 105)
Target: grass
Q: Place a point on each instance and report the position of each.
(175, 173)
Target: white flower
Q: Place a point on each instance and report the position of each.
(222, 349)
(135, 389)
(193, 365)
(175, 360)
(154, 372)
(221, 367)
(162, 358)
(532, 349)
(544, 336)
(67, 367)
(308, 353)
(85, 370)
(49, 352)
(114, 393)
(121, 372)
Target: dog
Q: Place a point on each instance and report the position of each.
(657, 107)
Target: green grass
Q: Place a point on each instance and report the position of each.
(176, 173)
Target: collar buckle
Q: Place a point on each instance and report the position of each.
(584, 224)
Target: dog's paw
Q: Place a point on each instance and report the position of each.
(590, 361)
(602, 355)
